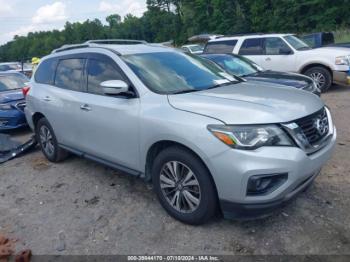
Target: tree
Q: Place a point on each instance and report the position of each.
(179, 19)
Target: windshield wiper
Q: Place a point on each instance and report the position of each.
(223, 84)
(251, 74)
(195, 90)
(184, 91)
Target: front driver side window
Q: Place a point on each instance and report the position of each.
(100, 71)
(274, 45)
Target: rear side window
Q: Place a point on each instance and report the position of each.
(69, 74)
(45, 73)
(220, 47)
(100, 71)
(253, 46)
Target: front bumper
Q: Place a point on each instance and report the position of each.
(12, 120)
(249, 211)
(341, 77)
(232, 169)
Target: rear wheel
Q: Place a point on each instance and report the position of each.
(184, 186)
(321, 76)
(48, 142)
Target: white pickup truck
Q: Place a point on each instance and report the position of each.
(286, 52)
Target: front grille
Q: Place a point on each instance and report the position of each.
(21, 105)
(315, 127)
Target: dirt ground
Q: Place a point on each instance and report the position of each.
(80, 207)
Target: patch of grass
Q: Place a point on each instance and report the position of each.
(342, 36)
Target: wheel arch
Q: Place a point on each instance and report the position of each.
(36, 117)
(158, 146)
(311, 65)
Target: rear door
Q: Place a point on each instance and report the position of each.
(110, 124)
(253, 49)
(64, 100)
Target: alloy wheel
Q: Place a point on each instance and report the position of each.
(46, 140)
(180, 187)
(319, 79)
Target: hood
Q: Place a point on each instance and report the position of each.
(10, 96)
(249, 103)
(289, 79)
(336, 51)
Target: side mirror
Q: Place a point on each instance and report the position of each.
(285, 51)
(114, 87)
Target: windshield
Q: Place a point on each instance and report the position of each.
(11, 82)
(175, 72)
(297, 43)
(238, 66)
(196, 48)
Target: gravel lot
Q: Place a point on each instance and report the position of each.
(80, 207)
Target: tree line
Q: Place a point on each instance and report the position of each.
(179, 19)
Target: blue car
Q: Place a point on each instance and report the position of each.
(243, 67)
(12, 101)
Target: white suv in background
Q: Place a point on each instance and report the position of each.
(286, 52)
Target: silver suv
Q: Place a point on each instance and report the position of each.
(206, 140)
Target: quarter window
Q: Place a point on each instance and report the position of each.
(45, 73)
(69, 74)
(100, 71)
(274, 45)
(253, 46)
(222, 47)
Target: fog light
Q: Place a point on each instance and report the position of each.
(264, 184)
(3, 122)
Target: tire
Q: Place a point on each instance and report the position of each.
(321, 76)
(200, 186)
(50, 147)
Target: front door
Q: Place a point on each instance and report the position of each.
(109, 124)
(278, 56)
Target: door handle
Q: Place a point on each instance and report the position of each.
(268, 59)
(47, 99)
(85, 107)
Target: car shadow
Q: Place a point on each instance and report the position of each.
(21, 134)
(338, 89)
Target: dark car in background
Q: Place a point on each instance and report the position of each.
(12, 101)
(322, 39)
(243, 67)
(24, 68)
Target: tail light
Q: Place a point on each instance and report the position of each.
(25, 90)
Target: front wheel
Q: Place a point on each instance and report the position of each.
(321, 76)
(184, 186)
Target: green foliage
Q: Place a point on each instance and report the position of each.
(342, 36)
(179, 19)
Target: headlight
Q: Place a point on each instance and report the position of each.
(5, 107)
(342, 60)
(250, 136)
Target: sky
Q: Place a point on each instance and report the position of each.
(18, 17)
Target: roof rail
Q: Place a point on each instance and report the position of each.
(241, 34)
(116, 42)
(70, 47)
(95, 43)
